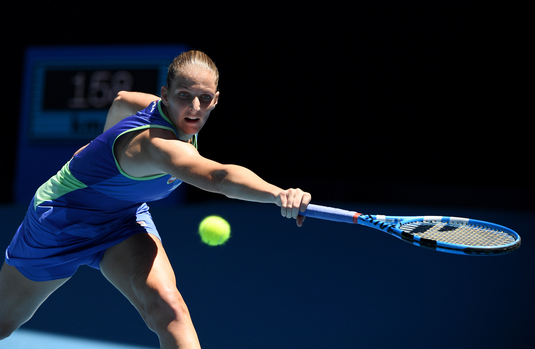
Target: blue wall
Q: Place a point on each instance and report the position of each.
(326, 285)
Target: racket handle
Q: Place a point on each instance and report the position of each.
(331, 214)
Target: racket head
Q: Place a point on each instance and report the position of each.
(449, 234)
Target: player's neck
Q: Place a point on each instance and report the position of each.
(181, 134)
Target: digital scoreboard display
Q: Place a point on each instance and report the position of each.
(71, 89)
(67, 92)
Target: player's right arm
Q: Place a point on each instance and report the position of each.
(183, 161)
(164, 153)
(158, 151)
(126, 104)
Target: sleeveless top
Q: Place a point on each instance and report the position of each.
(92, 191)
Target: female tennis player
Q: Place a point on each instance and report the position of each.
(93, 211)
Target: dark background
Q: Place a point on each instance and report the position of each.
(388, 107)
(385, 101)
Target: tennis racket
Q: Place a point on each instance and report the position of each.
(445, 234)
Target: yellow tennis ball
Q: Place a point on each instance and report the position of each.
(214, 230)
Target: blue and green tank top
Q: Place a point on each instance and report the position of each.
(92, 190)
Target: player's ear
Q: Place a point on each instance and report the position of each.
(164, 92)
(214, 102)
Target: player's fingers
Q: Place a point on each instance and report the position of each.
(287, 203)
(290, 207)
(298, 199)
(300, 220)
(305, 200)
(283, 201)
(301, 206)
(301, 200)
(294, 201)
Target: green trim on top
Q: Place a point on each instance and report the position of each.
(60, 184)
(194, 140)
(117, 162)
(162, 114)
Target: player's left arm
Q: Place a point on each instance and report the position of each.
(127, 103)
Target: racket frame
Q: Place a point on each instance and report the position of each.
(391, 225)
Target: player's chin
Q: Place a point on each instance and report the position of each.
(191, 127)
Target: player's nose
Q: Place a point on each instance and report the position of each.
(195, 104)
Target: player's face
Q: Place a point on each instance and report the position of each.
(190, 99)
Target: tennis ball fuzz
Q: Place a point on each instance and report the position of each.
(214, 230)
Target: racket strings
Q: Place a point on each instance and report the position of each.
(459, 234)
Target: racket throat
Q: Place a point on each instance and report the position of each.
(373, 222)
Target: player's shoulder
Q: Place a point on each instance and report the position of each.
(166, 140)
(160, 133)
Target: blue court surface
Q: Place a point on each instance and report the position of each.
(326, 285)
(23, 339)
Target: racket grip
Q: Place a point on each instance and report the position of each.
(330, 214)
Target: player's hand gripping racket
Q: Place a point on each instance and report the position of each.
(445, 234)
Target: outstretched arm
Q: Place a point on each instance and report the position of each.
(158, 151)
(184, 162)
(126, 104)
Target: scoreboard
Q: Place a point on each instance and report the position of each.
(66, 94)
(70, 89)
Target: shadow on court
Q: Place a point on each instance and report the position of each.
(326, 285)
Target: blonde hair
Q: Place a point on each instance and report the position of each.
(190, 58)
